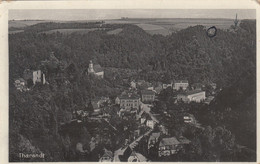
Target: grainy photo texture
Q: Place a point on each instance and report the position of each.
(120, 85)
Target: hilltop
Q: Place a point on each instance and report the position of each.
(163, 26)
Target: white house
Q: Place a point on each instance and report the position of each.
(150, 123)
(195, 96)
(178, 84)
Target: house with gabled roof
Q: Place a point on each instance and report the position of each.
(171, 145)
(168, 146)
(128, 101)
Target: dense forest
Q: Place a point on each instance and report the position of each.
(189, 53)
(228, 59)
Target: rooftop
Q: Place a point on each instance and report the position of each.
(191, 92)
(129, 96)
(180, 81)
(184, 140)
(169, 141)
(154, 135)
(147, 92)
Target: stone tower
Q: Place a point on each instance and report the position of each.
(90, 68)
(236, 21)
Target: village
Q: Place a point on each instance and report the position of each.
(143, 136)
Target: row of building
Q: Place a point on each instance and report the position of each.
(176, 85)
(133, 100)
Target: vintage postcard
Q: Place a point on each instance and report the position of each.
(129, 81)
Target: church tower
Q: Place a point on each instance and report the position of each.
(90, 68)
(236, 21)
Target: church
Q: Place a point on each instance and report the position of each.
(95, 69)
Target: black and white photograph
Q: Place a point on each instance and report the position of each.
(132, 85)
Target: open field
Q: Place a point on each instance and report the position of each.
(69, 31)
(154, 29)
(152, 26)
(15, 31)
(116, 31)
(167, 26)
(24, 23)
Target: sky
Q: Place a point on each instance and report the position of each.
(102, 14)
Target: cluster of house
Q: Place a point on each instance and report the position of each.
(160, 141)
(158, 87)
(166, 146)
(123, 154)
(126, 154)
(30, 78)
(147, 119)
(130, 99)
(196, 95)
(192, 94)
(131, 102)
(97, 104)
